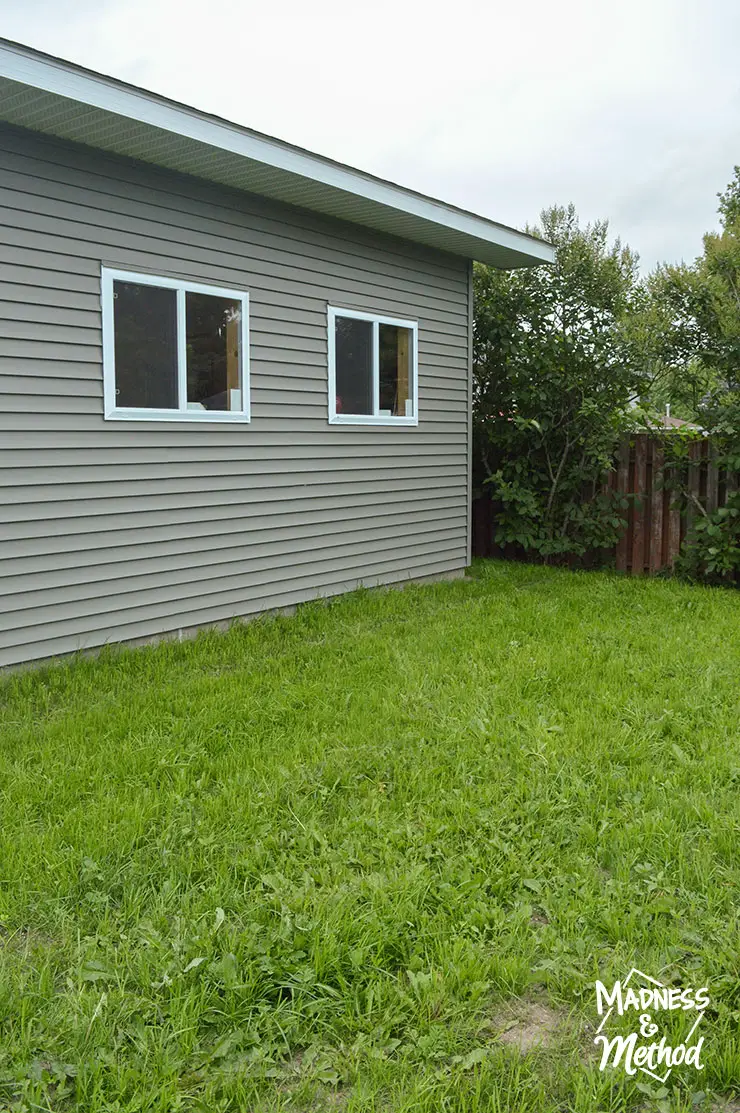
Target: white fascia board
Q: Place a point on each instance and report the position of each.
(95, 90)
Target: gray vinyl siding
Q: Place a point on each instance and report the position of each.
(114, 531)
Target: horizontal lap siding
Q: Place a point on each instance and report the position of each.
(115, 531)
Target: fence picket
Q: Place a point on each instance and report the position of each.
(655, 560)
(623, 471)
(712, 479)
(694, 482)
(639, 487)
(673, 546)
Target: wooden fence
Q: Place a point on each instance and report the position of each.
(656, 526)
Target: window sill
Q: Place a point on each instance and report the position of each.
(197, 416)
(371, 419)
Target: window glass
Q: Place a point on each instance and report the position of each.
(395, 370)
(372, 375)
(212, 331)
(145, 320)
(173, 350)
(354, 366)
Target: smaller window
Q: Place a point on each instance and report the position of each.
(174, 351)
(372, 369)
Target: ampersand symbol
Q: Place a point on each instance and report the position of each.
(646, 1028)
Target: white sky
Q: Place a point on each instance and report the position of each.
(629, 108)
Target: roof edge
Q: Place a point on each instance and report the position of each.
(73, 82)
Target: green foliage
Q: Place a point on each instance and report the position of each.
(670, 335)
(729, 201)
(686, 327)
(314, 864)
(685, 336)
(713, 552)
(551, 388)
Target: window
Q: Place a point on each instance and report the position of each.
(372, 369)
(174, 351)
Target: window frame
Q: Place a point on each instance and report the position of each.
(375, 418)
(182, 286)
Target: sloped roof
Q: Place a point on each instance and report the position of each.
(49, 95)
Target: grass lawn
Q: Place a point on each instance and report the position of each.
(374, 856)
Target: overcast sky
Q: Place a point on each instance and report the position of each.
(629, 108)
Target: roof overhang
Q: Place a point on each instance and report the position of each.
(49, 95)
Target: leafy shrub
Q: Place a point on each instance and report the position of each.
(551, 389)
(713, 552)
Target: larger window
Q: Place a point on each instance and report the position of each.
(174, 351)
(372, 369)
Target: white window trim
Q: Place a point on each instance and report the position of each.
(375, 418)
(113, 412)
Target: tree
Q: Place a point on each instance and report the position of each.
(688, 333)
(669, 337)
(552, 387)
(729, 202)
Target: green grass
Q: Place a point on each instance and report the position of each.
(309, 864)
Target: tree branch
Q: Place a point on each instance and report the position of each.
(556, 481)
(696, 502)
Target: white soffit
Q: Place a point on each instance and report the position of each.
(49, 95)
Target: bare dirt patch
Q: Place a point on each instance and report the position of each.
(305, 1094)
(528, 1025)
(24, 939)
